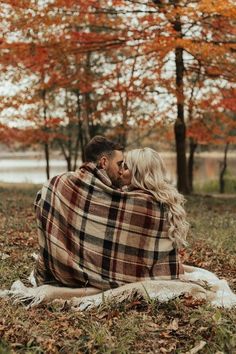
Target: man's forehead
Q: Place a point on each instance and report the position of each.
(118, 155)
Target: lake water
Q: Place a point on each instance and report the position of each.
(17, 168)
(30, 170)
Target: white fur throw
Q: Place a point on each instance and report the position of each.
(199, 283)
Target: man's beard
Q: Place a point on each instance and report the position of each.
(116, 181)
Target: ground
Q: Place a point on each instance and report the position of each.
(132, 327)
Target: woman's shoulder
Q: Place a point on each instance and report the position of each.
(143, 194)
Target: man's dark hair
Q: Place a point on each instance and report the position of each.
(98, 146)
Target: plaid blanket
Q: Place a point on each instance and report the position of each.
(92, 234)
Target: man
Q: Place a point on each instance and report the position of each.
(108, 156)
(104, 164)
(93, 234)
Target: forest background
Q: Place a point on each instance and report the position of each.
(159, 73)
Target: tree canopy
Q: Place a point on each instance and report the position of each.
(121, 63)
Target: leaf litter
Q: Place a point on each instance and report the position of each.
(184, 325)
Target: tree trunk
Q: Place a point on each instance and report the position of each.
(223, 167)
(76, 151)
(68, 161)
(80, 126)
(180, 128)
(46, 153)
(86, 121)
(125, 121)
(192, 148)
(46, 144)
(124, 133)
(67, 157)
(87, 104)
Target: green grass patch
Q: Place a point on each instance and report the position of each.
(212, 186)
(136, 326)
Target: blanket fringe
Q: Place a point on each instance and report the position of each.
(217, 292)
(29, 297)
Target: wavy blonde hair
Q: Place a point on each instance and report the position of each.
(148, 172)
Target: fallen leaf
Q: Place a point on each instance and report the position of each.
(133, 304)
(151, 327)
(190, 301)
(173, 325)
(4, 256)
(197, 348)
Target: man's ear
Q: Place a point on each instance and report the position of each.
(103, 162)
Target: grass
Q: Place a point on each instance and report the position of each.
(132, 327)
(212, 186)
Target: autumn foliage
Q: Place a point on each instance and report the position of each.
(123, 63)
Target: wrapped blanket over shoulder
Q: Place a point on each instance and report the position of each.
(93, 235)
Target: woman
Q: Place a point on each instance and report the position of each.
(145, 170)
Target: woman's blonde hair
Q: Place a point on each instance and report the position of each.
(148, 173)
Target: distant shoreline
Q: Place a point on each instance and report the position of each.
(38, 155)
(31, 166)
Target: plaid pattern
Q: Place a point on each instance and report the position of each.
(92, 234)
